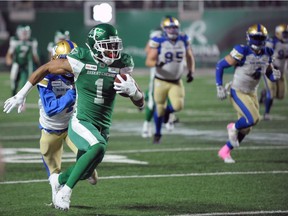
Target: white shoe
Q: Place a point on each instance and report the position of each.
(229, 160)
(233, 134)
(62, 199)
(93, 178)
(266, 117)
(55, 186)
(146, 130)
(169, 126)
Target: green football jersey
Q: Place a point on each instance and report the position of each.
(94, 85)
(22, 50)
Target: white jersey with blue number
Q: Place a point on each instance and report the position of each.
(173, 54)
(250, 67)
(280, 57)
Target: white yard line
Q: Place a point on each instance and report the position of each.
(273, 172)
(238, 213)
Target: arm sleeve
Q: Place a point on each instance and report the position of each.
(53, 105)
(220, 70)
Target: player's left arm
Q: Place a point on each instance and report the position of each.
(10, 52)
(131, 88)
(35, 55)
(190, 63)
(272, 73)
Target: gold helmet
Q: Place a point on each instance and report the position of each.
(62, 48)
(170, 25)
(256, 36)
(281, 32)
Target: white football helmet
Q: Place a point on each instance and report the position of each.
(23, 32)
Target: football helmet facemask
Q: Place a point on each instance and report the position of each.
(61, 35)
(104, 43)
(281, 32)
(170, 25)
(256, 36)
(23, 32)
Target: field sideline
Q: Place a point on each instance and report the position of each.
(181, 176)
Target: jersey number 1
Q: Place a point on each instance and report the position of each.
(99, 87)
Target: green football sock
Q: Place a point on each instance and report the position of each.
(148, 114)
(94, 155)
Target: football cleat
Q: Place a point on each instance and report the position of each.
(156, 139)
(146, 130)
(224, 154)
(170, 124)
(62, 199)
(233, 134)
(93, 179)
(55, 186)
(266, 117)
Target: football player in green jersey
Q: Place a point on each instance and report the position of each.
(59, 35)
(94, 69)
(21, 53)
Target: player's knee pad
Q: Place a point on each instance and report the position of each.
(177, 106)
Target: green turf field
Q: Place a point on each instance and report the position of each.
(180, 176)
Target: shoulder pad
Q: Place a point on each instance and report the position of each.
(78, 53)
(155, 33)
(238, 52)
(127, 60)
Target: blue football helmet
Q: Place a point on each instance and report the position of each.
(23, 32)
(170, 25)
(281, 32)
(256, 36)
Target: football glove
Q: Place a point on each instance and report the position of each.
(189, 77)
(11, 103)
(276, 74)
(221, 92)
(160, 64)
(125, 86)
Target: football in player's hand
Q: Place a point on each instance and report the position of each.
(124, 77)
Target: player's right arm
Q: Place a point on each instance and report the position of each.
(226, 62)
(152, 53)
(9, 54)
(152, 57)
(58, 66)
